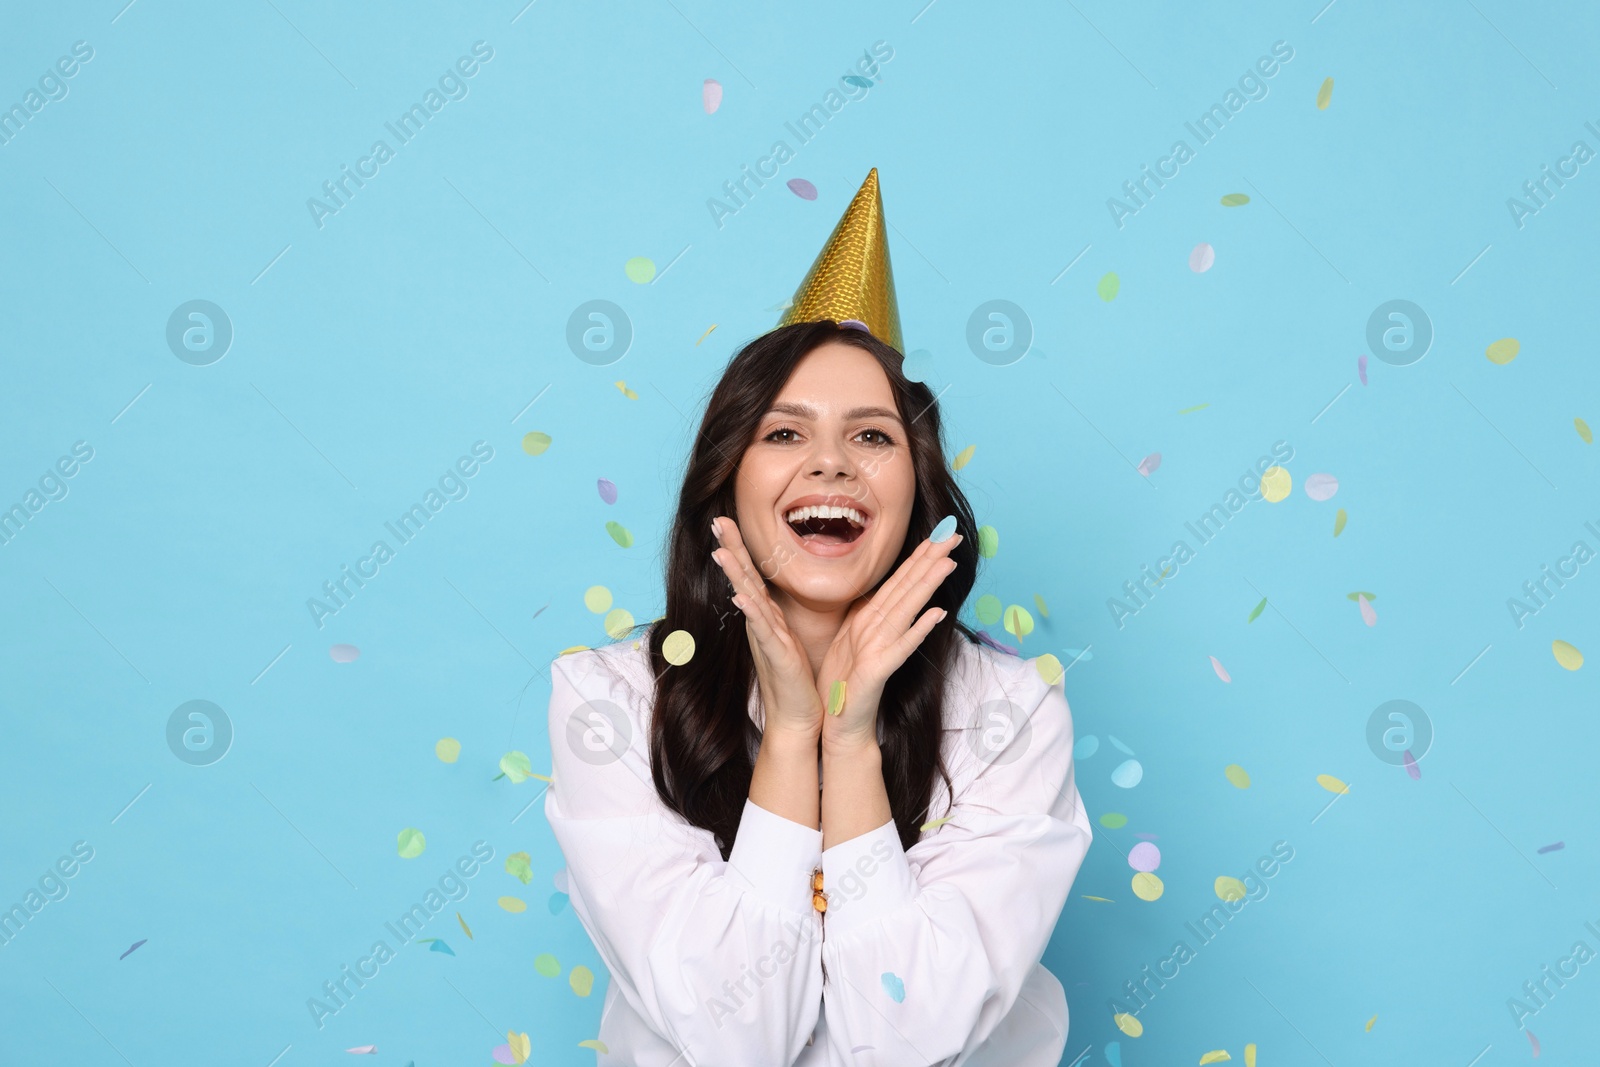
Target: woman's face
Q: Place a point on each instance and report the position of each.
(833, 438)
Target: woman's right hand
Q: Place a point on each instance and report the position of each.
(788, 689)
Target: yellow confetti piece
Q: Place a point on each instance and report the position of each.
(1275, 484)
(534, 443)
(1197, 407)
(930, 824)
(1019, 621)
(988, 541)
(1228, 888)
(1503, 351)
(596, 1044)
(836, 697)
(541, 777)
(1128, 1024)
(1250, 1055)
(597, 598)
(640, 270)
(1332, 784)
(514, 905)
(619, 533)
(677, 648)
(1103, 900)
(987, 609)
(1049, 668)
(1237, 775)
(1038, 602)
(547, 965)
(464, 927)
(410, 843)
(1566, 655)
(1147, 886)
(448, 749)
(629, 393)
(1108, 287)
(581, 980)
(703, 336)
(569, 650)
(1218, 1055)
(1370, 1022)
(1235, 200)
(618, 622)
(1338, 522)
(1583, 431)
(963, 457)
(1324, 97)
(520, 1046)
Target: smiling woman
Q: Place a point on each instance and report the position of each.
(846, 734)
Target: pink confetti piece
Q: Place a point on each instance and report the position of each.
(1144, 857)
(1411, 767)
(855, 324)
(1220, 672)
(136, 944)
(1149, 837)
(1547, 848)
(860, 1048)
(344, 653)
(503, 1054)
(1150, 464)
(1321, 486)
(802, 188)
(1534, 1041)
(1202, 257)
(711, 95)
(983, 635)
(608, 490)
(363, 1050)
(1368, 615)
(1361, 368)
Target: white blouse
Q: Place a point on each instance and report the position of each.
(932, 954)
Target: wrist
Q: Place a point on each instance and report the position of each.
(787, 740)
(848, 747)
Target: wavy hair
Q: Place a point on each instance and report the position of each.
(702, 739)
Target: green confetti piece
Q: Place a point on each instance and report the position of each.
(1362, 593)
(1257, 611)
(1038, 601)
(535, 443)
(515, 765)
(411, 843)
(1235, 200)
(519, 866)
(988, 541)
(836, 698)
(1197, 407)
(640, 269)
(1108, 286)
(988, 606)
(1113, 820)
(1338, 523)
(619, 533)
(581, 979)
(547, 965)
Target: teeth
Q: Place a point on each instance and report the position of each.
(817, 512)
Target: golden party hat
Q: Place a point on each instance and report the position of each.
(851, 278)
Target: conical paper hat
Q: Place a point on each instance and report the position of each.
(851, 278)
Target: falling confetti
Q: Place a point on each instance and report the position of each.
(629, 393)
(1197, 407)
(1235, 200)
(1583, 431)
(1038, 601)
(836, 697)
(557, 903)
(1325, 95)
(1114, 1053)
(1257, 611)
(1332, 784)
(520, 867)
(802, 188)
(619, 533)
(1202, 257)
(547, 965)
(516, 766)
(448, 749)
(343, 653)
(619, 621)
(1128, 1024)
(1542, 850)
(1019, 621)
(1534, 1041)
(581, 979)
(1359, 594)
(703, 336)
(1109, 284)
(988, 541)
(942, 532)
(1049, 668)
(1368, 616)
(1370, 1022)
(1338, 522)
(1144, 857)
(893, 986)
(677, 648)
(1237, 775)
(963, 457)
(411, 843)
(1150, 464)
(1361, 369)
(534, 443)
(597, 598)
(464, 927)
(436, 945)
(934, 823)
(515, 905)
(1113, 820)
(608, 490)
(136, 944)
(1276, 484)
(1102, 900)
(363, 1050)
(1410, 763)
(1228, 888)
(1120, 746)
(1221, 673)
(1321, 486)
(600, 1046)
(1503, 351)
(1128, 774)
(640, 269)
(711, 95)
(1215, 1056)
(1566, 655)
(1086, 746)
(1250, 1055)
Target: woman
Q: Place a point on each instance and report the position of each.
(842, 831)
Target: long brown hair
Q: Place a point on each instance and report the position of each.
(702, 738)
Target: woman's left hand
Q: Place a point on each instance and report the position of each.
(879, 634)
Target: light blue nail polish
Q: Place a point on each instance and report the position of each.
(943, 531)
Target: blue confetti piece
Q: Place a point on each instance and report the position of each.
(944, 531)
(136, 944)
(917, 365)
(894, 987)
(1120, 745)
(858, 81)
(1087, 746)
(1114, 1053)
(440, 946)
(558, 903)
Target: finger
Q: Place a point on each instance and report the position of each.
(753, 598)
(924, 554)
(918, 585)
(914, 636)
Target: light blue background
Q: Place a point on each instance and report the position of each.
(372, 352)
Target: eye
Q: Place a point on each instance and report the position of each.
(775, 433)
(884, 440)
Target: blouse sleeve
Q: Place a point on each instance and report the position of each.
(927, 950)
(723, 959)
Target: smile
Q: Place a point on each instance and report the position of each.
(827, 527)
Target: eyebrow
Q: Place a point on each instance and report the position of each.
(806, 411)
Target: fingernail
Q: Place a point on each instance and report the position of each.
(714, 531)
(942, 532)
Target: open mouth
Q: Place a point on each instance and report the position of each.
(827, 525)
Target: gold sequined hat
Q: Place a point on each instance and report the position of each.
(851, 278)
